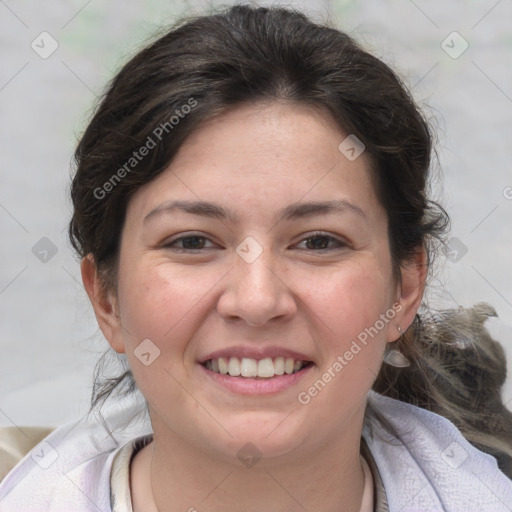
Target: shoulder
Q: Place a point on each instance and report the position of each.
(68, 470)
(426, 463)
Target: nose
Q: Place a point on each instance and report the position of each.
(257, 292)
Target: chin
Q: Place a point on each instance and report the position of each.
(265, 441)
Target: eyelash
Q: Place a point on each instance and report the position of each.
(340, 243)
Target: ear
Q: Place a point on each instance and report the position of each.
(413, 277)
(104, 304)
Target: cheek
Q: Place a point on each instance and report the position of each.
(165, 306)
(351, 299)
(351, 339)
(158, 303)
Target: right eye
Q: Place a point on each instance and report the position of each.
(190, 243)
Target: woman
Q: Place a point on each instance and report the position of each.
(250, 209)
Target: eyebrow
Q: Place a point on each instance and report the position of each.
(290, 212)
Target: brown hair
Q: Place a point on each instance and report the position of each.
(206, 64)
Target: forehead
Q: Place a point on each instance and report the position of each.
(262, 156)
(269, 130)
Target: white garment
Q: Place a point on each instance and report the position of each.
(426, 466)
(120, 492)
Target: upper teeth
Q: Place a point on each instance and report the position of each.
(247, 367)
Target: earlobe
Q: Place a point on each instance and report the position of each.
(104, 304)
(414, 275)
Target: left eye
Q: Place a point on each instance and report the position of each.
(320, 242)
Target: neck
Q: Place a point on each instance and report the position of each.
(170, 475)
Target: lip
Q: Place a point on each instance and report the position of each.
(253, 353)
(255, 386)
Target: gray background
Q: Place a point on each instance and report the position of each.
(49, 339)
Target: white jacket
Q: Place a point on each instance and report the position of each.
(427, 465)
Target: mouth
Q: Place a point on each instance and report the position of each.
(264, 369)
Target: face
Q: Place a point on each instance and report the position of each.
(239, 280)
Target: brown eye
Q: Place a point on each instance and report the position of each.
(320, 242)
(188, 243)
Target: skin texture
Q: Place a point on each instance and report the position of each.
(255, 159)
